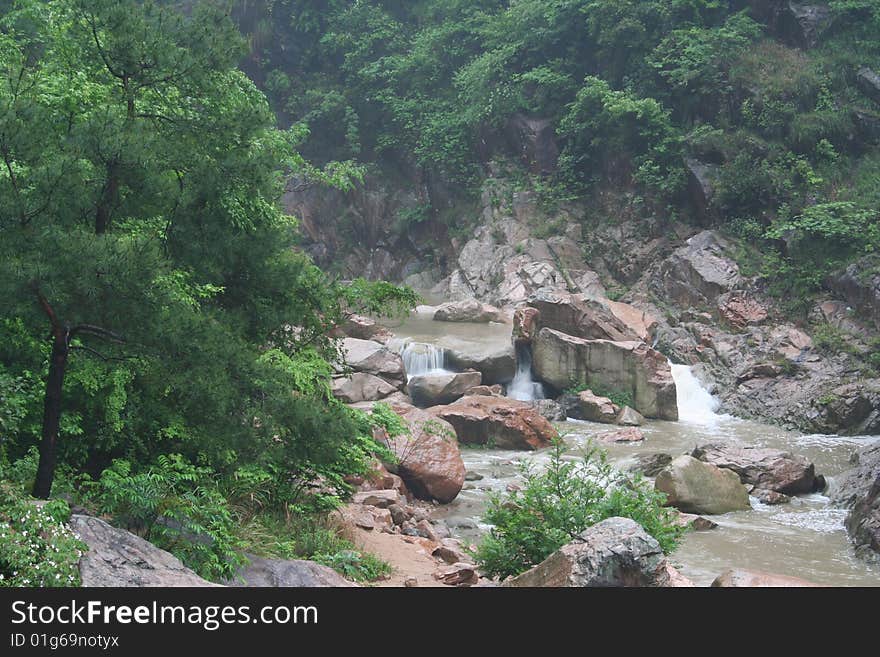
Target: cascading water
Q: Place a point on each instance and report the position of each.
(695, 404)
(524, 387)
(420, 358)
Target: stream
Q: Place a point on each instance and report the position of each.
(805, 538)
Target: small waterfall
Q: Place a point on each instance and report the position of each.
(420, 358)
(524, 387)
(695, 404)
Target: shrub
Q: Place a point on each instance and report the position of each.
(36, 549)
(554, 506)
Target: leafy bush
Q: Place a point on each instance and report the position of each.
(556, 505)
(36, 549)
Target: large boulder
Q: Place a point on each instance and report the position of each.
(696, 487)
(497, 364)
(468, 310)
(594, 408)
(855, 483)
(361, 387)
(768, 469)
(525, 324)
(374, 358)
(119, 558)
(579, 316)
(436, 389)
(869, 82)
(737, 578)
(697, 273)
(287, 573)
(615, 552)
(863, 523)
(429, 460)
(363, 328)
(498, 421)
(628, 367)
(859, 284)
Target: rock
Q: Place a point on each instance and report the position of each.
(578, 316)
(770, 469)
(436, 389)
(399, 514)
(696, 487)
(629, 435)
(381, 499)
(740, 310)
(859, 284)
(867, 125)
(458, 574)
(695, 522)
(869, 82)
(496, 365)
(798, 23)
(525, 322)
(629, 367)
(701, 188)
(367, 517)
(640, 323)
(534, 141)
(468, 310)
(770, 497)
(374, 358)
(364, 328)
(550, 410)
(119, 558)
(855, 484)
(676, 579)
(497, 421)
(470, 475)
(853, 408)
(426, 530)
(650, 465)
(410, 582)
(594, 408)
(737, 578)
(614, 552)
(361, 387)
(429, 460)
(699, 272)
(630, 418)
(451, 551)
(283, 573)
(489, 391)
(863, 523)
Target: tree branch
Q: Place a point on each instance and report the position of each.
(98, 332)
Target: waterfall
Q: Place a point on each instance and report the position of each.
(695, 404)
(523, 386)
(420, 357)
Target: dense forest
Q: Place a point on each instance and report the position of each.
(167, 344)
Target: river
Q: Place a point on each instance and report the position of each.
(805, 538)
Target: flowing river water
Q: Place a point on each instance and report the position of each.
(805, 538)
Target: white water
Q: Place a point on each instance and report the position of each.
(524, 387)
(695, 404)
(420, 358)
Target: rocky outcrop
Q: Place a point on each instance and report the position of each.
(525, 325)
(361, 387)
(863, 523)
(701, 187)
(496, 365)
(855, 483)
(852, 408)
(428, 457)
(630, 418)
(697, 273)
(119, 558)
(594, 408)
(469, 310)
(533, 139)
(762, 468)
(800, 24)
(629, 367)
(436, 389)
(616, 552)
(497, 421)
(550, 410)
(859, 284)
(578, 316)
(287, 573)
(696, 487)
(363, 328)
(869, 82)
(739, 578)
(374, 358)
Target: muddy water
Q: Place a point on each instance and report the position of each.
(805, 538)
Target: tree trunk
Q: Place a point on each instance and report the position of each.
(52, 413)
(109, 199)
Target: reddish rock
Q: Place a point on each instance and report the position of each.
(498, 421)
(363, 328)
(459, 574)
(769, 469)
(628, 435)
(595, 408)
(429, 460)
(753, 578)
(487, 391)
(578, 316)
(740, 310)
(637, 321)
(525, 321)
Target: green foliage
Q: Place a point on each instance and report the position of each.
(619, 397)
(36, 549)
(554, 506)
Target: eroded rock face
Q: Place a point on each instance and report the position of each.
(287, 573)
(119, 558)
(738, 578)
(696, 487)
(497, 365)
(579, 316)
(498, 421)
(699, 272)
(614, 552)
(374, 358)
(859, 284)
(869, 82)
(429, 460)
(364, 328)
(594, 408)
(863, 523)
(361, 387)
(435, 389)
(469, 310)
(769, 469)
(525, 324)
(801, 24)
(632, 367)
(534, 140)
